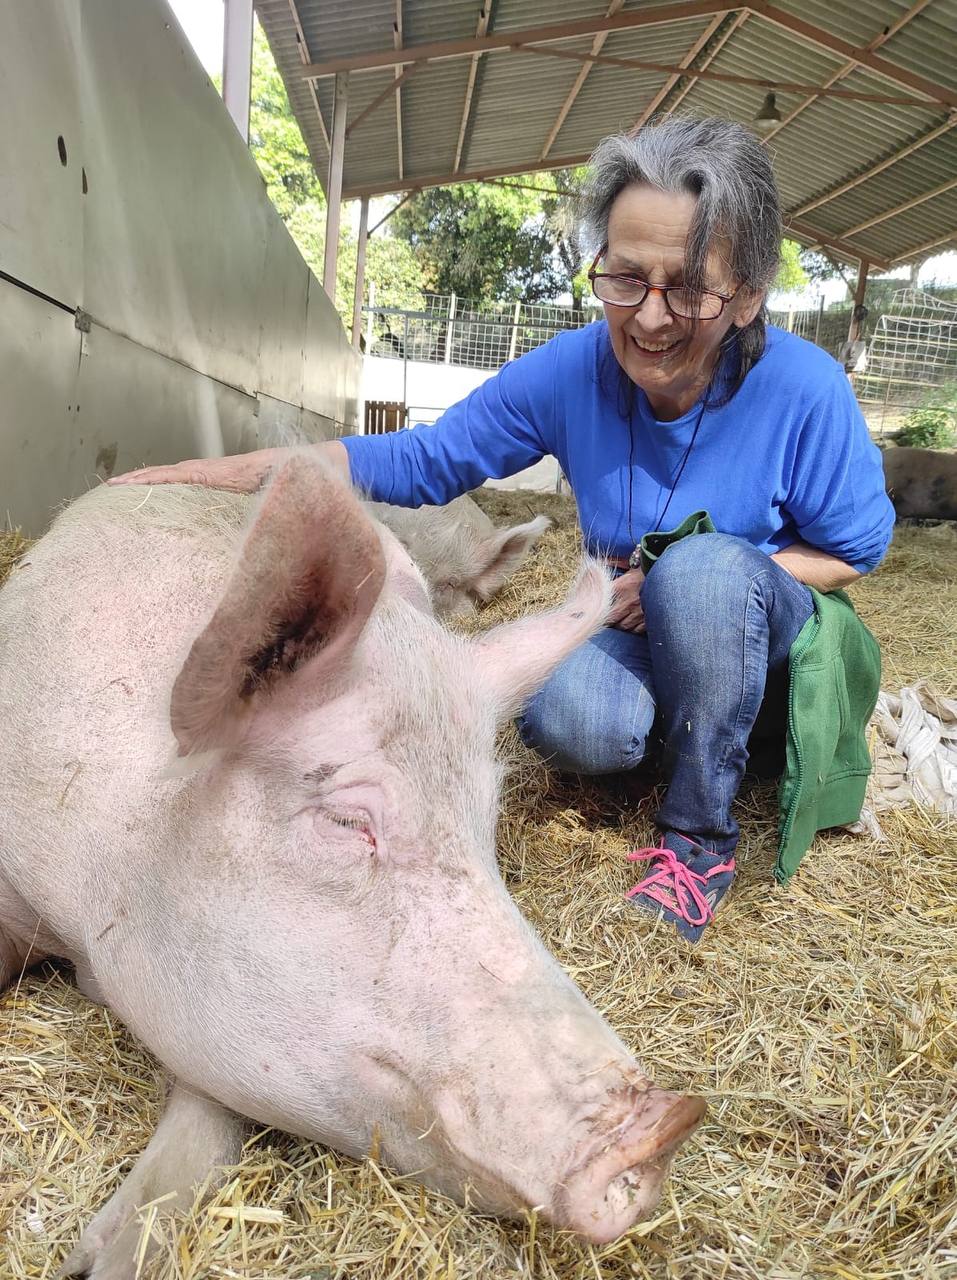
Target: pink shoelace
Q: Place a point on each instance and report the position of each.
(674, 885)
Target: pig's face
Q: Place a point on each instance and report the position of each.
(392, 996)
(464, 558)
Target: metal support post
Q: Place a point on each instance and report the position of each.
(856, 317)
(370, 319)
(238, 61)
(448, 330)
(513, 337)
(360, 270)
(334, 184)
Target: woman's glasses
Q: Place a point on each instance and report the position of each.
(629, 291)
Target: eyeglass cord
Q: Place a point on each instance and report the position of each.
(681, 465)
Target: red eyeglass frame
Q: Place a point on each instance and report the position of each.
(663, 289)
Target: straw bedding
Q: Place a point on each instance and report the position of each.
(820, 1021)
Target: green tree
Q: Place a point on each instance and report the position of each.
(485, 241)
(390, 262)
(283, 159)
(791, 275)
(274, 136)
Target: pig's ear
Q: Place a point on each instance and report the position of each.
(308, 575)
(516, 658)
(501, 554)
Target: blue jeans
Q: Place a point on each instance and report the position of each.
(713, 666)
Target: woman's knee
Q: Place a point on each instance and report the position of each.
(586, 735)
(687, 569)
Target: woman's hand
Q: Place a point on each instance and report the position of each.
(240, 473)
(626, 613)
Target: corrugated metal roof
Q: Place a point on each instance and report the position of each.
(517, 97)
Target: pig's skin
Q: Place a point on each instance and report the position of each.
(464, 558)
(922, 483)
(304, 920)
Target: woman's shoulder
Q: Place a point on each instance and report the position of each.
(573, 357)
(794, 365)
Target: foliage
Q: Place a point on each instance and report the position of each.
(791, 277)
(486, 241)
(927, 428)
(390, 263)
(292, 185)
(274, 136)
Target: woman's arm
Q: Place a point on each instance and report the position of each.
(815, 568)
(239, 472)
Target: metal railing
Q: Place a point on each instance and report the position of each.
(449, 331)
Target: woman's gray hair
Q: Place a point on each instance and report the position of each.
(729, 172)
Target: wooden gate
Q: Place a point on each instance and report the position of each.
(383, 416)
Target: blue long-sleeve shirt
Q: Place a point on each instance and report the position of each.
(787, 459)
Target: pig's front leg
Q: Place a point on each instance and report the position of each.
(194, 1138)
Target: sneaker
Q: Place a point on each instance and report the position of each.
(685, 884)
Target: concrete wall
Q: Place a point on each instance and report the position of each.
(152, 304)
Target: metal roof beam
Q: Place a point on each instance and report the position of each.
(901, 208)
(739, 20)
(817, 35)
(378, 100)
(441, 49)
(874, 170)
(848, 67)
(940, 242)
(474, 175)
(673, 79)
(399, 77)
(306, 58)
(723, 77)
(481, 29)
(843, 248)
(650, 16)
(596, 47)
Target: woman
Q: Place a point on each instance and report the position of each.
(682, 401)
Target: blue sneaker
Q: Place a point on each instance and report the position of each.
(685, 884)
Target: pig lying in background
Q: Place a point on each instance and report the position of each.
(464, 557)
(922, 483)
(303, 919)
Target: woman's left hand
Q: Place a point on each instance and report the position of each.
(626, 613)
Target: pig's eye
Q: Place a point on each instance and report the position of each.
(361, 823)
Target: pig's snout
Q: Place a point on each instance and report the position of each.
(617, 1179)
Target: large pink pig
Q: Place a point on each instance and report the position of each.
(301, 916)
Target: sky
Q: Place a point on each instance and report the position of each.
(202, 20)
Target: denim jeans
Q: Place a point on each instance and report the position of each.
(713, 664)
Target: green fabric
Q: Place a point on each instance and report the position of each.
(834, 669)
(835, 676)
(653, 545)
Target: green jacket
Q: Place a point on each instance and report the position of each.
(835, 675)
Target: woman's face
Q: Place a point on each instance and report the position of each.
(671, 359)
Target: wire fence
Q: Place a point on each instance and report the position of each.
(825, 328)
(909, 349)
(450, 331)
(911, 359)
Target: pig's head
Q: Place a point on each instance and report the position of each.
(464, 558)
(472, 568)
(369, 982)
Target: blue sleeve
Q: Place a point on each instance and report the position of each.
(503, 426)
(836, 495)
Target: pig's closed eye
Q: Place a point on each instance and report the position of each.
(355, 820)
